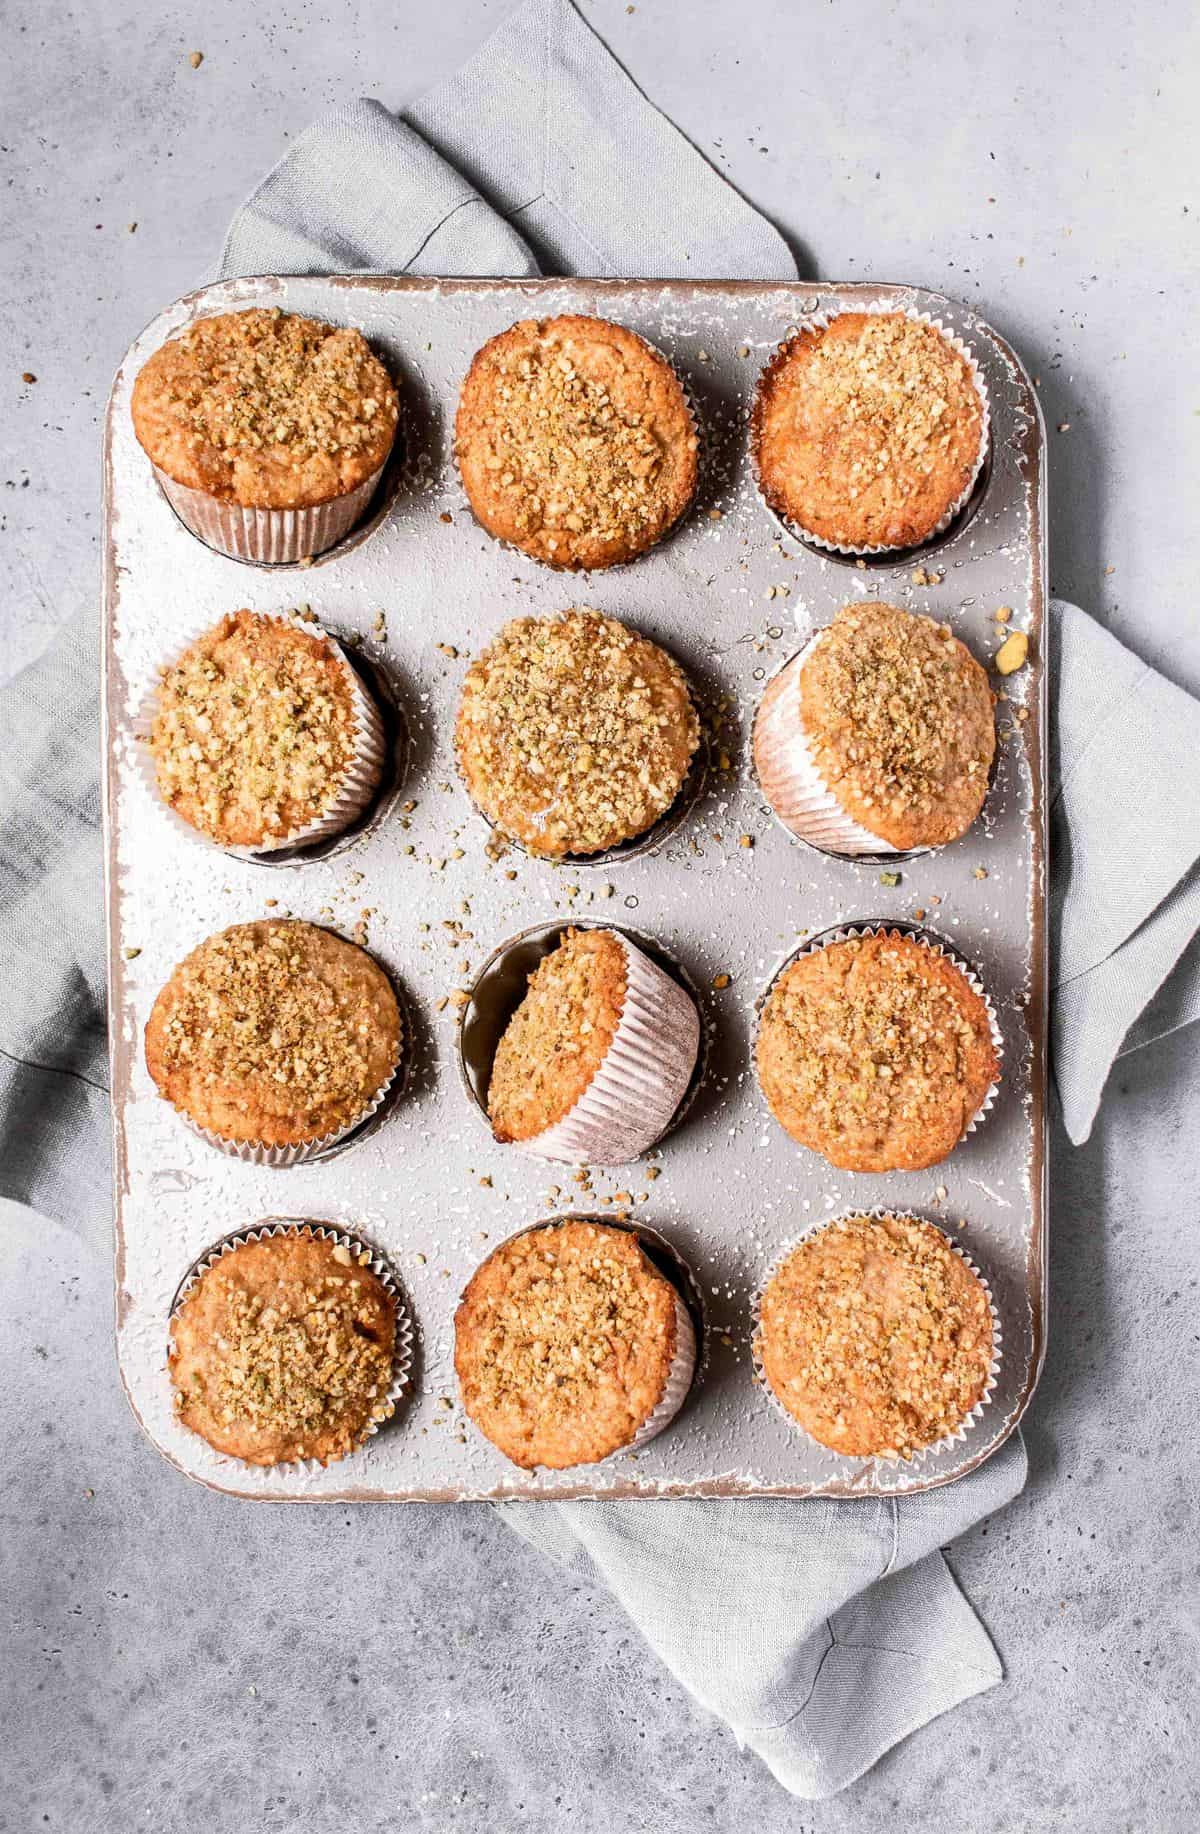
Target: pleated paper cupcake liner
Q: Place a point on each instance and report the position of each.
(402, 1353)
(360, 778)
(795, 531)
(275, 537)
(928, 939)
(790, 781)
(827, 1456)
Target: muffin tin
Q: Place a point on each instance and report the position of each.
(425, 1183)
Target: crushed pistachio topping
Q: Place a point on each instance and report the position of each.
(901, 383)
(274, 1030)
(875, 1050)
(899, 722)
(876, 1336)
(254, 730)
(574, 733)
(574, 432)
(559, 1035)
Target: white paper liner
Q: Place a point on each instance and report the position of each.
(274, 536)
(789, 778)
(402, 1353)
(680, 1375)
(360, 780)
(927, 940)
(827, 1454)
(643, 1077)
(795, 531)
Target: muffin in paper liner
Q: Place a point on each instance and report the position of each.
(795, 531)
(639, 1088)
(928, 939)
(826, 1455)
(703, 445)
(685, 1361)
(402, 1353)
(268, 537)
(297, 1152)
(790, 781)
(360, 781)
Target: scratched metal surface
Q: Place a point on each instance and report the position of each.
(428, 1186)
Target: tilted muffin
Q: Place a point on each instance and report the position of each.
(574, 733)
(868, 430)
(274, 1039)
(877, 1337)
(575, 441)
(268, 432)
(877, 1052)
(262, 735)
(570, 1345)
(878, 736)
(283, 1349)
(597, 1058)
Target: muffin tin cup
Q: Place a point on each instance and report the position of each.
(928, 939)
(268, 537)
(402, 1353)
(827, 1454)
(640, 1086)
(790, 781)
(360, 780)
(685, 1362)
(795, 531)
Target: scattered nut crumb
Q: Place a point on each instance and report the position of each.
(745, 840)
(1012, 653)
(195, 59)
(981, 872)
(720, 981)
(889, 878)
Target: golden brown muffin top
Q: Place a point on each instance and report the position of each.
(574, 733)
(266, 409)
(876, 1336)
(875, 1052)
(559, 1035)
(254, 729)
(274, 1032)
(564, 1340)
(283, 1349)
(575, 441)
(865, 432)
(899, 722)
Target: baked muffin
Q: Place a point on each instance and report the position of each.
(877, 1337)
(879, 736)
(877, 1052)
(268, 432)
(868, 430)
(597, 1058)
(569, 1345)
(263, 737)
(283, 1349)
(274, 1039)
(575, 441)
(574, 733)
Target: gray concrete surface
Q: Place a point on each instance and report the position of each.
(178, 1662)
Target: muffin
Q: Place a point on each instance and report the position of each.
(878, 1337)
(570, 1345)
(574, 733)
(267, 432)
(879, 736)
(868, 430)
(597, 1058)
(575, 441)
(274, 1039)
(877, 1051)
(262, 736)
(284, 1348)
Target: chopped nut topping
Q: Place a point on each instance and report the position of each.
(876, 1336)
(574, 733)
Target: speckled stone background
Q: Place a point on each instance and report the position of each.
(175, 1661)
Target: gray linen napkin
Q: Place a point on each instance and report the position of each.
(822, 1632)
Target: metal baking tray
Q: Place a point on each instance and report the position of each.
(427, 1185)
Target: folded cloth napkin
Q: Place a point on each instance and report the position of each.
(821, 1631)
